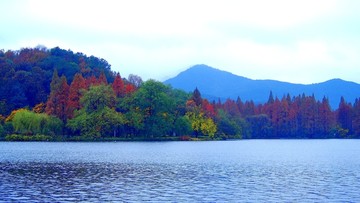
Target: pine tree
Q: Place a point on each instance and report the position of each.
(271, 98)
(52, 100)
(196, 97)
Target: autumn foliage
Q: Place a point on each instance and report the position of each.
(118, 86)
(83, 99)
(77, 86)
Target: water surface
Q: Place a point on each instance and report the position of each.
(241, 171)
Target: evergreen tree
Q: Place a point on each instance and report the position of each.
(271, 98)
(54, 88)
(196, 97)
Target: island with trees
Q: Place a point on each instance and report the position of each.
(58, 95)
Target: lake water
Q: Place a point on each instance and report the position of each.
(231, 171)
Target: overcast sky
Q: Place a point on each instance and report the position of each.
(306, 41)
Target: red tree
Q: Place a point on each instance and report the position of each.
(208, 109)
(91, 81)
(76, 86)
(326, 117)
(356, 118)
(129, 89)
(231, 107)
(57, 102)
(118, 86)
(102, 79)
(344, 115)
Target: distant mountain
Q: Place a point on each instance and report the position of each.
(214, 83)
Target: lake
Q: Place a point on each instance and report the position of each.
(212, 171)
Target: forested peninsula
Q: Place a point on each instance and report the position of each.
(58, 95)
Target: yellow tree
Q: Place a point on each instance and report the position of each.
(201, 124)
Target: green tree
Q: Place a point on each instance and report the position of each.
(97, 98)
(26, 122)
(227, 126)
(182, 126)
(154, 101)
(51, 125)
(101, 123)
(259, 126)
(97, 118)
(30, 123)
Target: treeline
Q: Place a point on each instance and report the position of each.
(92, 109)
(92, 103)
(290, 117)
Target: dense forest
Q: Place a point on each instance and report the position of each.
(55, 94)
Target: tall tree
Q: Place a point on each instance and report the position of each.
(118, 86)
(196, 97)
(54, 88)
(344, 116)
(63, 96)
(356, 118)
(102, 79)
(57, 102)
(158, 107)
(97, 118)
(326, 118)
(271, 98)
(75, 92)
(231, 108)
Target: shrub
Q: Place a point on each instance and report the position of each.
(38, 137)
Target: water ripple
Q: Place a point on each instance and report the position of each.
(190, 172)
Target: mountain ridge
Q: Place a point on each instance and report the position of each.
(215, 83)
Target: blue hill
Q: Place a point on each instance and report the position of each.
(214, 83)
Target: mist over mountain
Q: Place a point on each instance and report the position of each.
(214, 84)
